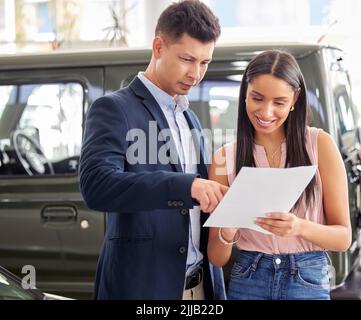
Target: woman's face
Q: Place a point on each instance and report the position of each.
(268, 103)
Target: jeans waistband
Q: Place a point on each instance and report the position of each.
(289, 261)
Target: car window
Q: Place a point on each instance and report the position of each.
(344, 112)
(9, 290)
(5, 92)
(40, 128)
(216, 104)
(346, 117)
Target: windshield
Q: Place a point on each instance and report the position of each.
(9, 290)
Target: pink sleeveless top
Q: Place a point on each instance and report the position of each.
(252, 240)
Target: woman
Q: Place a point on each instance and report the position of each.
(290, 262)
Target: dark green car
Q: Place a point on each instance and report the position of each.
(43, 101)
(12, 288)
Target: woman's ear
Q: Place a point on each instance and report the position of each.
(246, 96)
(297, 94)
(246, 101)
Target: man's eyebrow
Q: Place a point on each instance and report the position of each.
(189, 56)
(194, 58)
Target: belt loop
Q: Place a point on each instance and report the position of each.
(256, 260)
(293, 264)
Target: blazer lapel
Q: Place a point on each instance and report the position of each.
(198, 140)
(156, 112)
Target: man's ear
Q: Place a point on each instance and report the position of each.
(157, 46)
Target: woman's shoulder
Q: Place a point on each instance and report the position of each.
(218, 155)
(230, 145)
(313, 131)
(226, 149)
(221, 164)
(326, 145)
(224, 157)
(317, 136)
(325, 141)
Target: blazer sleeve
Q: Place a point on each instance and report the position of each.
(104, 183)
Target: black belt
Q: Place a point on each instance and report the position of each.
(194, 279)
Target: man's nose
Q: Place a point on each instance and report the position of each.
(194, 72)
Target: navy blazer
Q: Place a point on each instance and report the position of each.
(147, 204)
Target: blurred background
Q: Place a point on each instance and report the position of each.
(46, 25)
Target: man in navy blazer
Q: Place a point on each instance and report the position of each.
(143, 163)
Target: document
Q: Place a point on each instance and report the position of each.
(257, 191)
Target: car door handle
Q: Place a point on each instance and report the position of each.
(59, 214)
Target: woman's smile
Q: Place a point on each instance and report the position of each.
(264, 123)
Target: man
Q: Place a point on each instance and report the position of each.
(154, 246)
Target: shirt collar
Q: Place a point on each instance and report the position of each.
(163, 98)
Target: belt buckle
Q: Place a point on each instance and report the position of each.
(194, 279)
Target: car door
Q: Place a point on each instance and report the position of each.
(347, 137)
(43, 219)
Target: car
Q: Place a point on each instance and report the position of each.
(11, 288)
(44, 221)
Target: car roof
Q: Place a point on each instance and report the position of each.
(107, 57)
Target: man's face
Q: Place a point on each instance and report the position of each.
(180, 65)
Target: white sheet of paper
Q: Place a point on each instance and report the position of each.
(257, 191)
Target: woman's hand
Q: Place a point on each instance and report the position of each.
(281, 224)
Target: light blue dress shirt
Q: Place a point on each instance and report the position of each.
(173, 108)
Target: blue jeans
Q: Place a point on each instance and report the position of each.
(260, 276)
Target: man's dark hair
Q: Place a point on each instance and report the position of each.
(191, 17)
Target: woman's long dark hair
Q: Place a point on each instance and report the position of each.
(283, 66)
